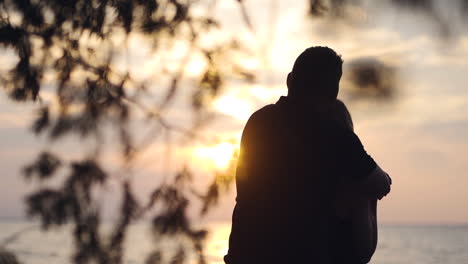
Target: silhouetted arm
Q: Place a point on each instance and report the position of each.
(245, 162)
(375, 185)
(251, 155)
(366, 182)
(359, 169)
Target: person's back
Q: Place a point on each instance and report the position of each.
(283, 195)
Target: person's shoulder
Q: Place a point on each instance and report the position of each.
(260, 120)
(345, 137)
(265, 113)
(333, 127)
(338, 133)
(266, 110)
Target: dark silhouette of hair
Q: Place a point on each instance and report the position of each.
(316, 73)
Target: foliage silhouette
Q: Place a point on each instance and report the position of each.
(337, 9)
(373, 78)
(70, 49)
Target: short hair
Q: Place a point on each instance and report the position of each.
(317, 72)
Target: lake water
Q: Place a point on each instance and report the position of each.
(397, 244)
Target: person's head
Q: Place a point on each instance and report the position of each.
(316, 75)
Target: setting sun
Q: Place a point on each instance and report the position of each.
(218, 155)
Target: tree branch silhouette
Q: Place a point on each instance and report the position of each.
(71, 49)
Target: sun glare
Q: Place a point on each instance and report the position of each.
(217, 156)
(235, 107)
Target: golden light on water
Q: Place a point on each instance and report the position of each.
(217, 156)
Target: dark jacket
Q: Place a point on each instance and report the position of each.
(289, 165)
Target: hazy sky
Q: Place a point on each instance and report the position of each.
(419, 138)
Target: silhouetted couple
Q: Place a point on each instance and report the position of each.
(306, 188)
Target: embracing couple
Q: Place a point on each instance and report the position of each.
(307, 190)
